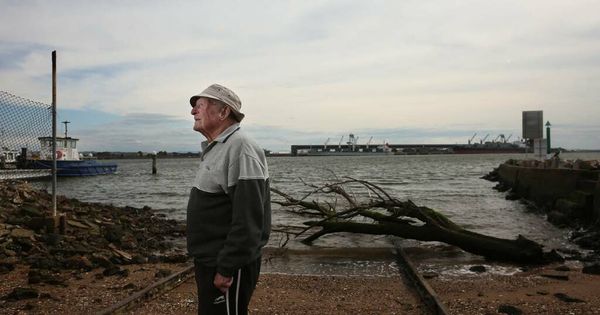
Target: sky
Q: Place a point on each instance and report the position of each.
(306, 71)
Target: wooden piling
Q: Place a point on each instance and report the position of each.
(153, 164)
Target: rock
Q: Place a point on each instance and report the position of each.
(161, 273)
(79, 262)
(25, 243)
(593, 269)
(29, 307)
(115, 271)
(48, 263)
(113, 233)
(430, 275)
(21, 233)
(478, 269)
(502, 187)
(151, 243)
(509, 309)
(48, 296)
(101, 260)
(566, 206)
(6, 267)
(589, 239)
(553, 255)
(174, 258)
(583, 165)
(21, 294)
(121, 254)
(31, 210)
(562, 268)
(44, 276)
(77, 224)
(558, 218)
(36, 224)
(153, 259)
(139, 259)
(111, 271)
(557, 277)
(129, 244)
(129, 286)
(565, 298)
(51, 239)
(512, 196)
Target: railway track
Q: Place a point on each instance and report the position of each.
(414, 282)
(151, 291)
(426, 293)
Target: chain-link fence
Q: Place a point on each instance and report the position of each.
(22, 122)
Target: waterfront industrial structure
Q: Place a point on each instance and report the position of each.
(499, 145)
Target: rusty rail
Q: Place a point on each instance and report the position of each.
(427, 294)
(150, 291)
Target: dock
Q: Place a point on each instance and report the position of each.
(12, 174)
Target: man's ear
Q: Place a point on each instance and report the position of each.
(225, 113)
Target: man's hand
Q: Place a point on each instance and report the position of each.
(222, 283)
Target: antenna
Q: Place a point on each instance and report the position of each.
(66, 123)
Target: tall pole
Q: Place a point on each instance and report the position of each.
(54, 133)
(548, 137)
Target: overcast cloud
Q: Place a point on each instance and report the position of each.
(402, 71)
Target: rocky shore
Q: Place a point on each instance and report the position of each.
(98, 237)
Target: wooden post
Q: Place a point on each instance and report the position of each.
(154, 164)
(62, 223)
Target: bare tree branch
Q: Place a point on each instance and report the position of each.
(390, 216)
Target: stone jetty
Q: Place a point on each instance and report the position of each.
(568, 192)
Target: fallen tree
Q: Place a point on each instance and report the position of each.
(381, 214)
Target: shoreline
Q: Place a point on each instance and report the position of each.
(111, 252)
(530, 290)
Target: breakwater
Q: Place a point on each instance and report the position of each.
(567, 191)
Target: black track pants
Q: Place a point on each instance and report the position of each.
(211, 301)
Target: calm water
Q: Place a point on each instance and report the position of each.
(450, 184)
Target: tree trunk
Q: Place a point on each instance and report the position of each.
(405, 220)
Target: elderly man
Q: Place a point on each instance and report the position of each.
(229, 210)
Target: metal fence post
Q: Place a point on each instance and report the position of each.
(54, 135)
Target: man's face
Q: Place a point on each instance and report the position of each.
(206, 116)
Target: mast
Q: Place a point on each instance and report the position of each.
(66, 129)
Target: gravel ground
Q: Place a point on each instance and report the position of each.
(302, 294)
(528, 291)
(476, 293)
(85, 291)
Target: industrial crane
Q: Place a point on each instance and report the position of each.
(340, 144)
(369, 142)
(325, 144)
(472, 137)
(484, 138)
(498, 137)
(508, 139)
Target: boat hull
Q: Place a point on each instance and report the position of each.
(78, 168)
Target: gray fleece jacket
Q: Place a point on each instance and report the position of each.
(229, 210)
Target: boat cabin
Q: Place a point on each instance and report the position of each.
(7, 155)
(66, 148)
